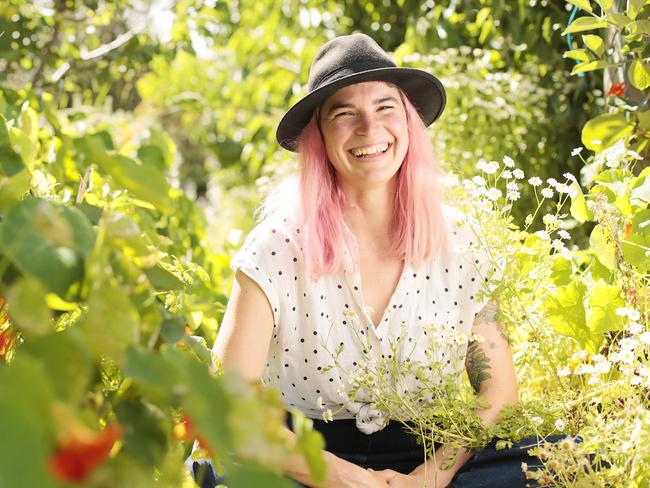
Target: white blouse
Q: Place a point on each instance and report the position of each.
(313, 318)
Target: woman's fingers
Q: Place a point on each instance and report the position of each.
(385, 474)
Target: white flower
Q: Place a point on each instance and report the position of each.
(488, 168)
(478, 338)
(507, 174)
(550, 220)
(584, 368)
(319, 402)
(508, 162)
(537, 420)
(564, 234)
(635, 380)
(635, 328)
(535, 181)
(602, 367)
(559, 424)
(547, 193)
(513, 195)
(327, 415)
(628, 312)
(493, 194)
(542, 234)
(562, 188)
(478, 181)
(576, 151)
(628, 343)
(512, 186)
(645, 338)
(557, 244)
(552, 182)
(626, 356)
(462, 339)
(570, 177)
(519, 174)
(564, 372)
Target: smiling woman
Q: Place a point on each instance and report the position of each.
(367, 248)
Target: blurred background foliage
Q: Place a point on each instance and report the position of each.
(137, 138)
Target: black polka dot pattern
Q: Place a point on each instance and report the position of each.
(311, 317)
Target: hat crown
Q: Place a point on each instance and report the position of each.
(346, 55)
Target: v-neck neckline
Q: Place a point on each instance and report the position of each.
(357, 289)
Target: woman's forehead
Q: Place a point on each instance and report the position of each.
(367, 89)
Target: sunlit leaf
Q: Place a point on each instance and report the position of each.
(582, 24)
(604, 299)
(28, 307)
(639, 74)
(604, 130)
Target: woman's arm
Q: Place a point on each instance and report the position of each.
(492, 374)
(242, 343)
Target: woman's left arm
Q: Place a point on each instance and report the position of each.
(491, 373)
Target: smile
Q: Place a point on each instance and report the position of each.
(369, 151)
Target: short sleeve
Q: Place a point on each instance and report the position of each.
(481, 271)
(258, 258)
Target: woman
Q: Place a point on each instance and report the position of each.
(368, 237)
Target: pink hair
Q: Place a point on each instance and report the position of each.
(417, 226)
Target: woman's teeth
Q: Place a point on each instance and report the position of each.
(370, 150)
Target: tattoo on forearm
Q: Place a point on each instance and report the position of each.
(488, 315)
(477, 365)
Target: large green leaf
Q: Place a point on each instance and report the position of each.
(636, 247)
(602, 247)
(583, 4)
(10, 161)
(566, 312)
(601, 132)
(28, 306)
(145, 181)
(579, 209)
(594, 43)
(604, 299)
(66, 360)
(639, 74)
(25, 423)
(582, 24)
(48, 241)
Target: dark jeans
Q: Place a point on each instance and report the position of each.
(394, 448)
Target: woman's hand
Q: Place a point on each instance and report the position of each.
(434, 479)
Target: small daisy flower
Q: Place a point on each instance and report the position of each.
(542, 234)
(635, 380)
(550, 220)
(535, 181)
(547, 193)
(635, 328)
(576, 151)
(507, 174)
(508, 162)
(626, 356)
(557, 244)
(551, 182)
(564, 372)
(478, 181)
(488, 168)
(645, 338)
(628, 343)
(602, 367)
(512, 186)
(493, 194)
(513, 195)
(562, 188)
(517, 173)
(327, 415)
(567, 444)
(570, 177)
(478, 338)
(628, 312)
(564, 235)
(537, 420)
(559, 424)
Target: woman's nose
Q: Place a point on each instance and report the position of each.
(367, 123)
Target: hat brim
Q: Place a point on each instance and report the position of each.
(424, 90)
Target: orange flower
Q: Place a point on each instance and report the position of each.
(7, 341)
(616, 89)
(75, 458)
(185, 431)
(627, 230)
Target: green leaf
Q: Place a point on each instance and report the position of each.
(145, 430)
(605, 5)
(161, 279)
(640, 191)
(156, 377)
(583, 4)
(639, 74)
(66, 360)
(579, 209)
(253, 474)
(566, 313)
(619, 19)
(590, 66)
(578, 55)
(310, 443)
(48, 241)
(28, 307)
(634, 7)
(24, 146)
(604, 299)
(26, 424)
(636, 247)
(144, 181)
(594, 43)
(112, 323)
(639, 27)
(582, 24)
(602, 247)
(10, 161)
(13, 188)
(604, 130)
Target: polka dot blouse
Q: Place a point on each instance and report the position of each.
(313, 318)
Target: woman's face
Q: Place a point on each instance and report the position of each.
(365, 132)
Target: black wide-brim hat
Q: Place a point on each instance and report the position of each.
(357, 58)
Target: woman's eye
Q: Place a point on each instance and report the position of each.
(338, 114)
(385, 107)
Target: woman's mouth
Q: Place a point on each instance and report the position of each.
(365, 152)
